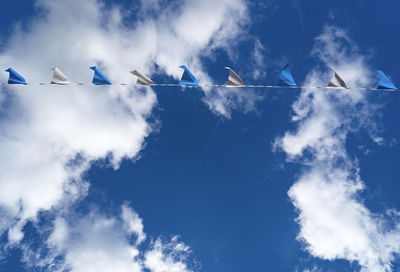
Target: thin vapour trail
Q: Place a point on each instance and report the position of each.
(210, 140)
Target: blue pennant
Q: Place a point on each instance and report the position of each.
(14, 77)
(384, 81)
(187, 77)
(286, 78)
(99, 78)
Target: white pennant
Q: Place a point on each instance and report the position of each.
(337, 81)
(142, 79)
(234, 79)
(59, 78)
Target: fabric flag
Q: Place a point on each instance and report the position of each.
(384, 81)
(59, 78)
(234, 79)
(99, 78)
(142, 79)
(187, 77)
(337, 81)
(286, 77)
(15, 78)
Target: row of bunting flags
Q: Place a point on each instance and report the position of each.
(188, 79)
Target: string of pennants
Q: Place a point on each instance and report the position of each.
(188, 79)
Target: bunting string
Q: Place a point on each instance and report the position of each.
(286, 80)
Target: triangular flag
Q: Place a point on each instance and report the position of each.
(234, 79)
(337, 81)
(384, 81)
(59, 78)
(188, 78)
(99, 78)
(142, 79)
(286, 77)
(14, 77)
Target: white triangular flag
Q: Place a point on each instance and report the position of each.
(59, 78)
(234, 79)
(142, 79)
(337, 81)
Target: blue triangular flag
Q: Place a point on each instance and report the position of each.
(384, 81)
(14, 77)
(286, 78)
(99, 78)
(187, 77)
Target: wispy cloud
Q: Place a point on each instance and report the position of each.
(334, 222)
(259, 61)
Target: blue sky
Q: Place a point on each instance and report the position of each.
(175, 180)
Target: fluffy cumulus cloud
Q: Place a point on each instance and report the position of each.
(334, 221)
(50, 135)
(168, 256)
(106, 243)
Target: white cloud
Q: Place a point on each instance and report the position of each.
(334, 221)
(259, 61)
(314, 269)
(336, 225)
(224, 100)
(96, 242)
(167, 257)
(133, 223)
